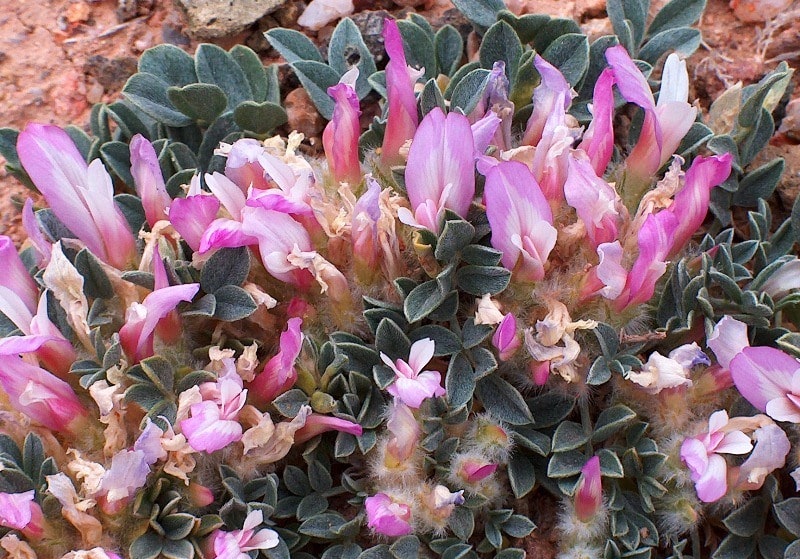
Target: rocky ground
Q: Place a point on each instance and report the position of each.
(58, 57)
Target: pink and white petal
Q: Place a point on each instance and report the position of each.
(191, 216)
(695, 454)
(713, 484)
(728, 339)
(734, 442)
(421, 353)
(762, 374)
(783, 409)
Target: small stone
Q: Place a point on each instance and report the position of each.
(173, 35)
(129, 9)
(215, 19)
(790, 125)
(110, 73)
(287, 15)
(371, 26)
(755, 11)
(302, 113)
(320, 13)
(94, 91)
(79, 12)
(456, 19)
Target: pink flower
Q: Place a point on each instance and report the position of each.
(279, 374)
(506, 340)
(388, 517)
(728, 340)
(340, 137)
(235, 544)
(440, 173)
(770, 380)
(769, 453)
(413, 385)
(472, 470)
(552, 95)
(666, 123)
(405, 433)
(364, 231)
(35, 392)
(81, 195)
(15, 276)
(141, 319)
(498, 108)
(191, 216)
(243, 166)
(598, 205)
(20, 511)
(402, 112)
(701, 454)
(41, 245)
(213, 423)
(691, 203)
(316, 424)
(520, 218)
(598, 140)
(148, 180)
(589, 491)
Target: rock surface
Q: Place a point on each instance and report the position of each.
(215, 19)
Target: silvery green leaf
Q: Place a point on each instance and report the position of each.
(233, 303)
(205, 306)
(569, 436)
(503, 401)
(468, 91)
(608, 339)
(347, 45)
(215, 66)
(633, 11)
(759, 183)
(177, 549)
(423, 300)
(521, 475)
(526, 26)
(484, 360)
(339, 551)
(296, 481)
(316, 78)
(177, 525)
(459, 381)
(773, 547)
(253, 70)
(449, 48)
(788, 514)
(480, 255)
(570, 54)
(129, 123)
(456, 235)
(418, 47)
(736, 547)
(117, 157)
(550, 408)
(510, 553)
(391, 340)
(481, 12)
(501, 43)
(311, 505)
(456, 78)
(147, 546)
(319, 477)
(597, 63)
(676, 13)
(479, 280)
(518, 526)
(406, 547)
(493, 535)
(378, 552)
(293, 45)
(345, 445)
(95, 280)
(227, 266)
(565, 464)
(683, 40)
(220, 130)
(447, 343)
(367, 441)
(599, 372)
(694, 138)
(473, 334)
(610, 465)
(747, 519)
(199, 101)
(431, 98)
(149, 93)
(169, 63)
(290, 402)
(554, 29)
(611, 420)
(260, 118)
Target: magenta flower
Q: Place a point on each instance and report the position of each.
(388, 517)
(598, 140)
(402, 112)
(521, 220)
(598, 205)
(213, 423)
(279, 374)
(191, 216)
(141, 319)
(340, 137)
(701, 454)
(552, 95)
(665, 123)
(506, 339)
(440, 172)
(589, 491)
(81, 195)
(474, 470)
(148, 180)
(691, 203)
(20, 511)
(413, 385)
(35, 392)
(316, 424)
(15, 276)
(236, 543)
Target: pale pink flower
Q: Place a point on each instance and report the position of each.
(340, 137)
(552, 95)
(521, 220)
(388, 517)
(80, 195)
(214, 421)
(728, 339)
(589, 490)
(41, 245)
(316, 424)
(702, 455)
(413, 385)
(769, 453)
(598, 140)
(279, 373)
(402, 111)
(236, 543)
(20, 511)
(770, 380)
(440, 173)
(15, 276)
(148, 180)
(405, 433)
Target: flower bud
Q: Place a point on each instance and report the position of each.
(505, 338)
(589, 491)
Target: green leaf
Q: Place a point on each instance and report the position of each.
(346, 47)
(169, 63)
(610, 465)
(521, 475)
(677, 13)
(311, 505)
(95, 280)
(177, 549)
(290, 402)
(217, 132)
(177, 525)
(565, 464)
(259, 118)
(322, 526)
(418, 46)
(201, 102)
(747, 519)
(518, 526)
(233, 303)
(461, 522)
(481, 255)
(570, 54)
(149, 93)
(423, 300)
(459, 382)
(550, 408)
(503, 401)
(759, 183)
(501, 43)
(215, 66)
(117, 157)
(611, 420)
(160, 373)
(449, 48)
(481, 12)
(293, 45)
(447, 342)
(431, 98)
(479, 280)
(469, 90)
(147, 546)
(227, 266)
(634, 11)
(554, 29)
(788, 514)
(683, 40)
(456, 235)
(316, 78)
(253, 70)
(569, 436)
